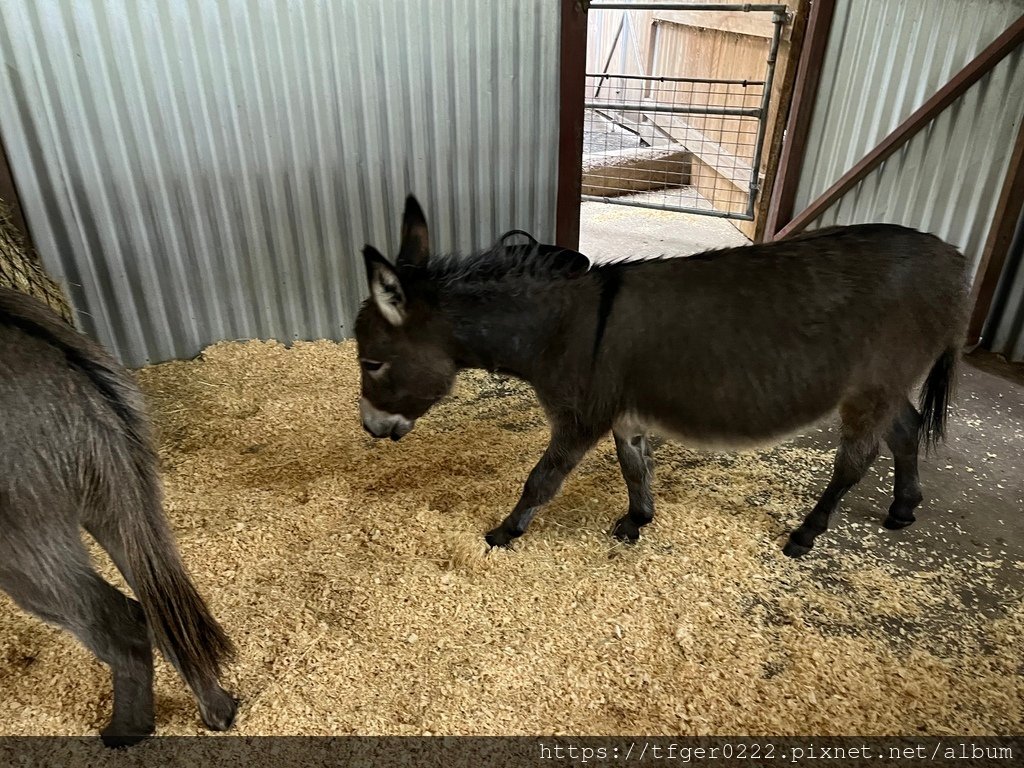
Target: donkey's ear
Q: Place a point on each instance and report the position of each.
(385, 287)
(415, 248)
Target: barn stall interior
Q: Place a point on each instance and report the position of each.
(199, 181)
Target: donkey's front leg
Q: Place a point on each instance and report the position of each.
(568, 445)
(634, 453)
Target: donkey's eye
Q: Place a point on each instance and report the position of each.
(371, 366)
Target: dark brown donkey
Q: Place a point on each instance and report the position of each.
(75, 450)
(728, 348)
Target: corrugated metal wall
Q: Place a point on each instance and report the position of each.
(210, 169)
(884, 59)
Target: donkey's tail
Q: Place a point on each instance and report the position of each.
(936, 394)
(179, 620)
(181, 623)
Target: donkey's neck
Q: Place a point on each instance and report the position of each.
(500, 328)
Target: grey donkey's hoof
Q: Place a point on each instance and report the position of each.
(626, 530)
(219, 713)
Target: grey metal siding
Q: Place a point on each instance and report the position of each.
(202, 170)
(883, 60)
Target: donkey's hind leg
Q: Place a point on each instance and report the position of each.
(903, 440)
(863, 419)
(55, 581)
(217, 706)
(634, 452)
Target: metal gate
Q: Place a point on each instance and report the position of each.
(677, 98)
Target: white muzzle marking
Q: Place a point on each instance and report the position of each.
(383, 424)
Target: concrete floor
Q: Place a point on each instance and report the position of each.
(973, 485)
(609, 231)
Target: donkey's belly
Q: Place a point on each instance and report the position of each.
(631, 424)
(737, 431)
(708, 437)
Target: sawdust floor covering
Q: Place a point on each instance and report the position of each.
(352, 575)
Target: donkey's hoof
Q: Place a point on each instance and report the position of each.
(626, 530)
(219, 711)
(499, 537)
(795, 549)
(894, 523)
(901, 512)
(117, 737)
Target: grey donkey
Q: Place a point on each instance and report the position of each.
(76, 451)
(728, 349)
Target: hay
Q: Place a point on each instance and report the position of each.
(22, 270)
(353, 577)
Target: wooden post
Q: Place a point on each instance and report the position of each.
(572, 92)
(1000, 237)
(805, 93)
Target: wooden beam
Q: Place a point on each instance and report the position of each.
(739, 22)
(979, 66)
(572, 93)
(798, 124)
(1000, 237)
(790, 49)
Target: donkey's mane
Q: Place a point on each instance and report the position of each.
(499, 264)
(541, 263)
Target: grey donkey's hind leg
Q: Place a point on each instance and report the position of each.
(55, 581)
(903, 440)
(217, 706)
(634, 452)
(569, 444)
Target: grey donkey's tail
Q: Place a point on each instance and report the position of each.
(936, 394)
(181, 624)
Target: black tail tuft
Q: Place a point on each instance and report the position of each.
(182, 626)
(936, 395)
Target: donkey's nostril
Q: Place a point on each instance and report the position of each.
(402, 428)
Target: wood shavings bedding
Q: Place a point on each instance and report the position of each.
(353, 576)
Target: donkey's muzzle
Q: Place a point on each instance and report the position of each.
(381, 424)
(395, 434)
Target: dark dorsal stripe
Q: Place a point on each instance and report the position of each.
(611, 281)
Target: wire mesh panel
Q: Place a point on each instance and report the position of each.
(673, 143)
(683, 143)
